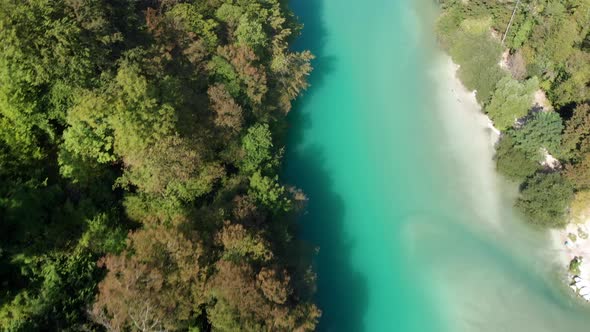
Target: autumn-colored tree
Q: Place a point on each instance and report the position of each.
(238, 244)
(252, 76)
(228, 113)
(155, 284)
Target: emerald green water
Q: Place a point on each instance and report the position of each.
(415, 231)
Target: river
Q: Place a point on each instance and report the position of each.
(415, 230)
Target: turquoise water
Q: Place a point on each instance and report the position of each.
(415, 231)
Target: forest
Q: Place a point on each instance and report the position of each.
(140, 146)
(529, 63)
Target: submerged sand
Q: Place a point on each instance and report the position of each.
(491, 271)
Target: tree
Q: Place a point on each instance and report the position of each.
(188, 15)
(122, 137)
(512, 162)
(257, 145)
(291, 71)
(544, 199)
(250, 301)
(154, 284)
(511, 101)
(574, 83)
(252, 77)
(579, 174)
(479, 55)
(542, 131)
(44, 305)
(239, 244)
(576, 136)
(228, 113)
(250, 32)
(269, 192)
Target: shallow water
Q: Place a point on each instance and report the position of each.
(416, 232)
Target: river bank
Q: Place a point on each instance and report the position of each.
(492, 270)
(571, 244)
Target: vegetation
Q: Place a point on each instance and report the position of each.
(541, 132)
(139, 150)
(545, 198)
(513, 162)
(574, 267)
(478, 55)
(546, 47)
(511, 101)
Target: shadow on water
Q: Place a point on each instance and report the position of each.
(313, 38)
(342, 291)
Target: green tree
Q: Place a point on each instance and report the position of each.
(542, 131)
(511, 101)
(544, 199)
(250, 32)
(269, 192)
(478, 55)
(258, 149)
(512, 162)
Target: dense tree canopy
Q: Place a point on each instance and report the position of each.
(139, 154)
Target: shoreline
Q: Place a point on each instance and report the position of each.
(572, 243)
(567, 243)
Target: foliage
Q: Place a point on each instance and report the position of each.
(512, 162)
(142, 135)
(542, 131)
(579, 174)
(478, 55)
(576, 136)
(257, 144)
(511, 101)
(153, 285)
(574, 266)
(269, 192)
(544, 199)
